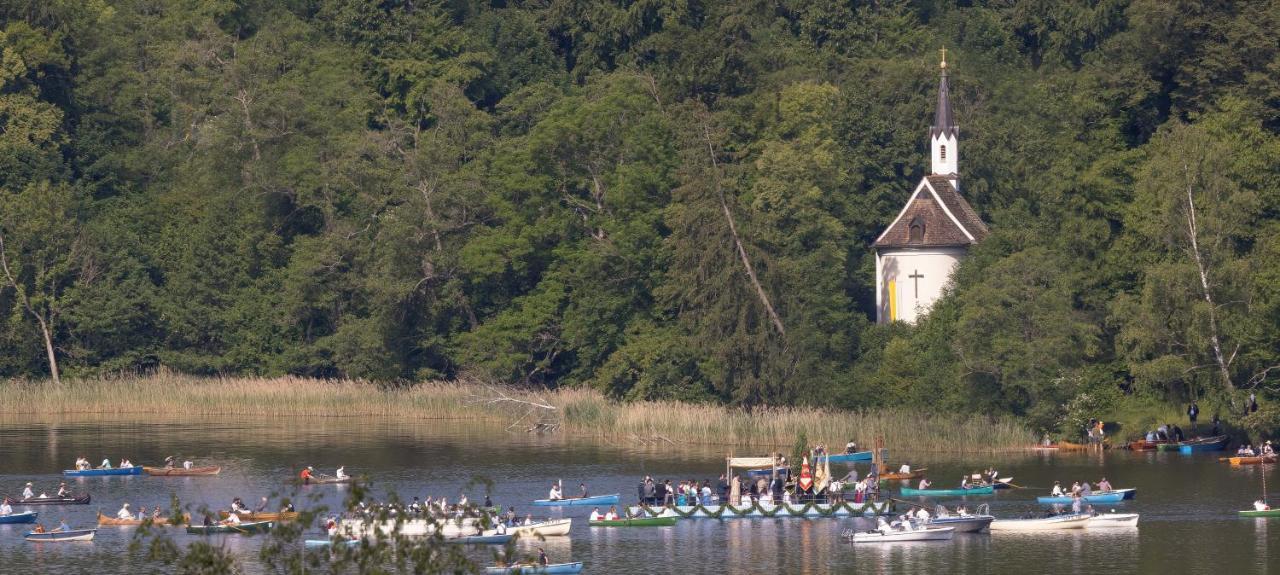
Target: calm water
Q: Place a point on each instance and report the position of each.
(1187, 503)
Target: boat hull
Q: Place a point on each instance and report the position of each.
(592, 500)
(61, 536)
(241, 529)
(12, 518)
(82, 500)
(1247, 460)
(966, 524)
(550, 528)
(1059, 523)
(757, 510)
(107, 520)
(1263, 513)
(1098, 497)
(855, 456)
(928, 534)
(102, 472)
(641, 522)
(320, 543)
(257, 516)
(494, 539)
(181, 471)
(1113, 521)
(909, 492)
(552, 569)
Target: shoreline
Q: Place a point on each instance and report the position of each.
(577, 412)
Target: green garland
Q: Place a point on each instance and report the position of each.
(755, 507)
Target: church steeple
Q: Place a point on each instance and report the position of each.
(944, 135)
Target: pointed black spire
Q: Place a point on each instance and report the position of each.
(942, 120)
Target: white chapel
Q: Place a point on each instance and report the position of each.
(917, 253)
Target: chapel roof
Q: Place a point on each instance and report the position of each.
(948, 220)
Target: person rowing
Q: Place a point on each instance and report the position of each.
(5, 508)
(555, 494)
(341, 473)
(1261, 505)
(964, 482)
(62, 489)
(305, 475)
(232, 518)
(1105, 485)
(1057, 489)
(237, 506)
(262, 505)
(595, 514)
(612, 515)
(924, 483)
(851, 447)
(27, 493)
(124, 512)
(106, 464)
(582, 488)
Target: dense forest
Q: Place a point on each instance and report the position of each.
(572, 193)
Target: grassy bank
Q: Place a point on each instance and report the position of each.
(576, 411)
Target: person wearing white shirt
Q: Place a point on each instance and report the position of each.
(232, 519)
(1057, 489)
(186, 464)
(124, 513)
(883, 526)
(595, 514)
(106, 464)
(924, 483)
(554, 495)
(5, 508)
(341, 473)
(922, 515)
(1261, 505)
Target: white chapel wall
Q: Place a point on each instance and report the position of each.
(914, 295)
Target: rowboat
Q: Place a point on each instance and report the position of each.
(926, 534)
(1112, 520)
(1144, 445)
(102, 472)
(27, 517)
(909, 492)
(61, 536)
(591, 500)
(548, 528)
(556, 568)
(1069, 446)
(1208, 444)
(1257, 513)
(749, 510)
(896, 476)
(1249, 460)
(243, 528)
(317, 543)
(963, 523)
(1055, 523)
(1114, 496)
(855, 456)
(493, 539)
(256, 516)
(81, 500)
(106, 520)
(181, 471)
(637, 522)
(769, 471)
(327, 480)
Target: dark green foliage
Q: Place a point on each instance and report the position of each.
(574, 192)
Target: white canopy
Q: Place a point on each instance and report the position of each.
(753, 462)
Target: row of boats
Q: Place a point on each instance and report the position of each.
(943, 528)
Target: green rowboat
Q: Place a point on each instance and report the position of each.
(908, 492)
(638, 522)
(243, 528)
(1256, 513)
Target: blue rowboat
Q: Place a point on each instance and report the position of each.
(565, 568)
(768, 472)
(856, 456)
(592, 500)
(136, 470)
(481, 539)
(1115, 496)
(319, 543)
(28, 517)
(1210, 444)
(908, 492)
(57, 536)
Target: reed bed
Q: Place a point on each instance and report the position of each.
(576, 411)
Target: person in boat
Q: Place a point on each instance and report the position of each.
(595, 514)
(232, 519)
(924, 483)
(1075, 488)
(155, 514)
(238, 506)
(170, 462)
(126, 464)
(922, 515)
(462, 500)
(5, 508)
(124, 512)
(554, 494)
(186, 464)
(612, 515)
(39, 528)
(1261, 505)
(288, 508)
(341, 473)
(62, 490)
(582, 490)
(62, 526)
(962, 511)
(1104, 485)
(27, 493)
(1086, 489)
(528, 519)
(1057, 489)
(1163, 432)
(106, 464)
(305, 475)
(964, 482)
(883, 526)
(851, 447)
(1076, 503)
(1267, 450)
(542, 557)
(262, 505)
(1177, 434)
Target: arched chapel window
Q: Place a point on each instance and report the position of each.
(915, 233)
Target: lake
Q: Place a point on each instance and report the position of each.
(1187, 502)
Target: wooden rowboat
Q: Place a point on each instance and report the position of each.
(637, 522)
(1069, 446)
(254, 516)
(243, 528)
(1248, 460)
(182, 471)
(1144, 445)
(895, 476)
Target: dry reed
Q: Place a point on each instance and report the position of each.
(577, 411)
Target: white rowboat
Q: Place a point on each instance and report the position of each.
(1113, 521)
(927, 534)
(1056, 523)
(548, 528)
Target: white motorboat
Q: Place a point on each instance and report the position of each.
(925, 534)
(1055, 523)
(548, 528)
(1113, 520)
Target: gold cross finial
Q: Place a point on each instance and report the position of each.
(944, 58)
